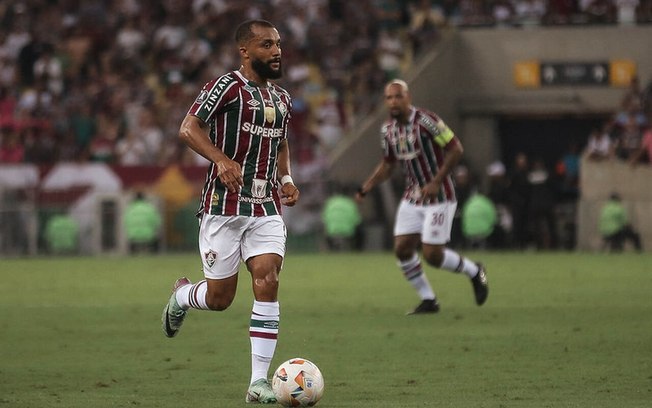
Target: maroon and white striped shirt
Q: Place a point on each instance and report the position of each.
(247, 123)
(419, 146)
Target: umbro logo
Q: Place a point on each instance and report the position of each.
(253, 102)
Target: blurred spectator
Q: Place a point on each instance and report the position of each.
(600, 12)
(426, 19)
(7, 71)
(600, 146)
(389, 53)
(329, 122)
(498, 193)
(626, 11)
(11, 147)
(130, 40)
(62, 234)
(633, 96)
(503, 13)
(142, 222)
(479, 219)
(629, 139)
(568, 171)
(390, 14)
(644, 153)
(83, 125)
(102, 147)
(542, 206)
(519, 198)
(342, 220)
(49, 69)
(464, 188)
(629, 125)
(615, 226)
(131, 150)
(529, 12)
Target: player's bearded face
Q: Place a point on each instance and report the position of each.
(265, 69)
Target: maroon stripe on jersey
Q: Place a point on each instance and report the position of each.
(262, 335)
(446, 184)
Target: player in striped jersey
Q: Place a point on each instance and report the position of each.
(427, 150)
(239, 123)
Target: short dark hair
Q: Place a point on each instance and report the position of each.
(243, 33)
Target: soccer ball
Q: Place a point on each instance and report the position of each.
(298, 383)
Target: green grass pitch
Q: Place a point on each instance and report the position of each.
(558, 330)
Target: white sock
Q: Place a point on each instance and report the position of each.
(193, 296)
(413, 272)
(455, 262)
(263, 334)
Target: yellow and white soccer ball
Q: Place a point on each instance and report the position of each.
(298, 383)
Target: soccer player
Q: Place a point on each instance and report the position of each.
(239, 122)
(427, 150)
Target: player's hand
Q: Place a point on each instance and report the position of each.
(430, 191)
(230, 174)
(289, 194)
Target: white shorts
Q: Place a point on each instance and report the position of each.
(225, 240)
(433, 222)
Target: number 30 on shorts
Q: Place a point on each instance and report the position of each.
(438, 219)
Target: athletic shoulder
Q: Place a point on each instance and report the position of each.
(281, 90)
(427, 114)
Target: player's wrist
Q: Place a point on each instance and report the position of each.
(286, 179)
(361, 191)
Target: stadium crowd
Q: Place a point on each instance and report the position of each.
(110, 80)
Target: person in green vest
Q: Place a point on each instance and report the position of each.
(479, 217)
(615, 226)
(61, 234)
(142, 222)
(341, 218)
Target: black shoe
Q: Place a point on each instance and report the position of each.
(426, 306)
(480, 286)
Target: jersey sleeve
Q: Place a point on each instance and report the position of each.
(213, 96)
(388, 153)
(441, 133)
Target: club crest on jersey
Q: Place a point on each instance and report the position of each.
(283, 108)
(202, 97)
(210, 257)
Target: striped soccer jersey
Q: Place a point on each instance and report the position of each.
(419, 146)
(247, 123)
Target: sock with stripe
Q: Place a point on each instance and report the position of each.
(455, 262)
(263, 333)
(413, 272)
(193, 296)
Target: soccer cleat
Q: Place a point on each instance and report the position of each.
(173, 314)
(426, 306)
(480, 286)
(260, 392)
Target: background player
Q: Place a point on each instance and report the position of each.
(427, 150)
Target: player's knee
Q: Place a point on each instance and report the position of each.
(403, 252)
(267, 282)
(218, 303)
(434, 255)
